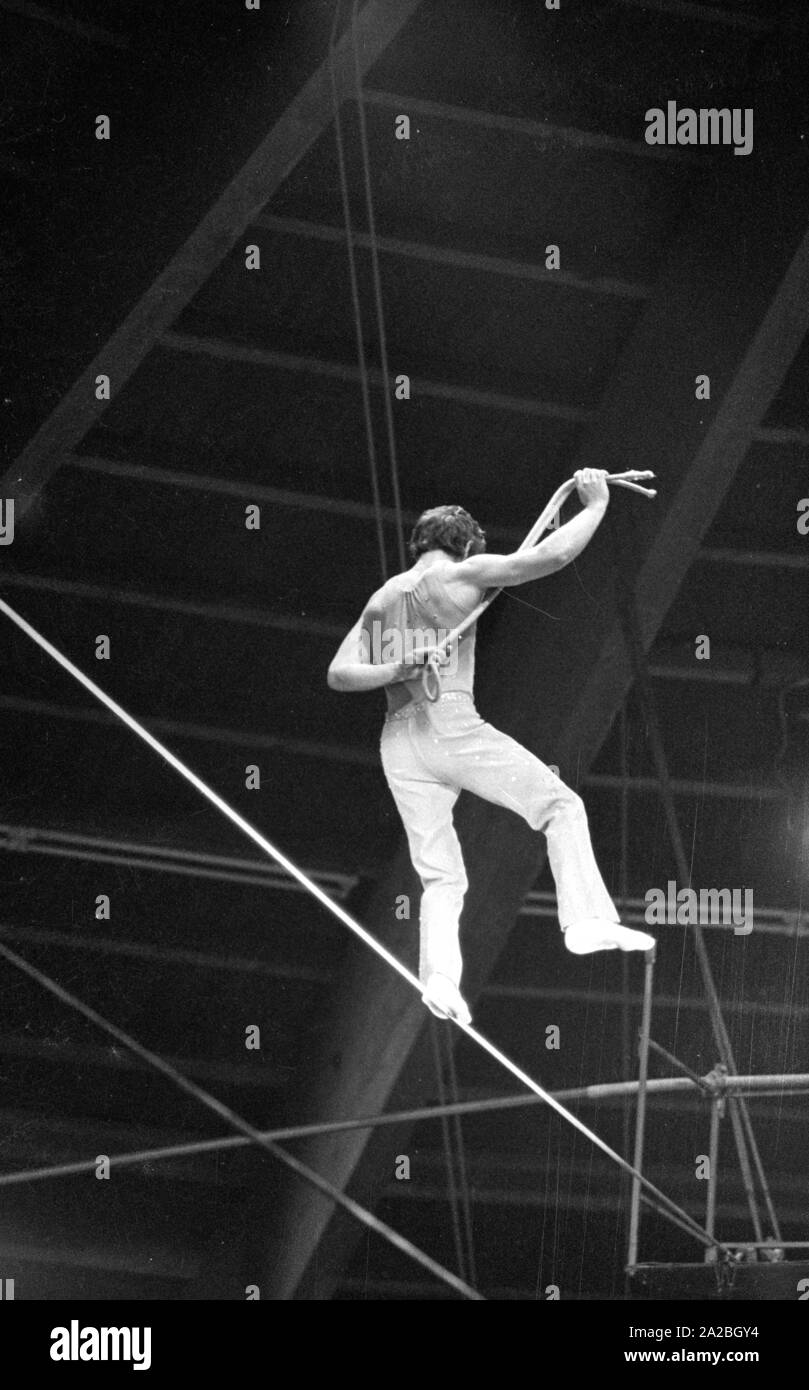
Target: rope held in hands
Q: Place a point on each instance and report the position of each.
(431, 675)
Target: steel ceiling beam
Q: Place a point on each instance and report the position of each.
(79, 28)
(544, 133)
(25, 1048)
(251, 490)
(754, 559)
(221, 349)
(706, 14)
(361, 756)
(457, 260)
(158, 603)
(161, 858)
(203, 733)
(161, 955)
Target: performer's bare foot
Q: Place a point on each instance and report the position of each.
(595, 934)
(444, 999)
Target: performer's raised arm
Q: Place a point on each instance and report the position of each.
(552, 554)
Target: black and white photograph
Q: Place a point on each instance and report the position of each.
(404, 666)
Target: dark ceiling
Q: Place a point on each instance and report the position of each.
(239, 387)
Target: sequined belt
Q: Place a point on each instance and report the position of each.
(406, 710)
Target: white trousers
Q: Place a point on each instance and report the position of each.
(432, 752)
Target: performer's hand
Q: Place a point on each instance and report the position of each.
(421, 655)
(404, 671)
(417, 660)
(591, 484)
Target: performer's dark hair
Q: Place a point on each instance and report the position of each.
(447, 528)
